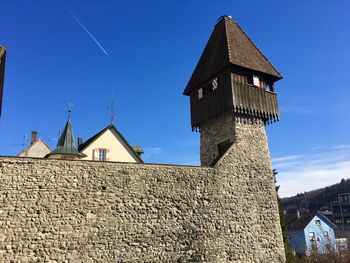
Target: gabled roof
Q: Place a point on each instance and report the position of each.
(66, 144)
(83, 146)
(33, 145)
(2, 72)
(295, 223)
(229, 45)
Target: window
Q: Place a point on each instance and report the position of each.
(200, 93)
(214, 84)
(318, 222)
(253, 80)
(256, 81)
(345, 198)
(102, 155)
(325, 233)
(250, 80)
(338, 221)
(312, 236)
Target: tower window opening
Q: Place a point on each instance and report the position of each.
(253, 80)
(250, 80)
(200, 93)
(256, 81)
(268, 88)
(214, 84)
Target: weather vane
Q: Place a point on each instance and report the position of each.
(70, 105)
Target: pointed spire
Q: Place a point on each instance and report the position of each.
(66, 146)
(2, 72)
(229, 45)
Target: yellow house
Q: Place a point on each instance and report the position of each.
(109, 145)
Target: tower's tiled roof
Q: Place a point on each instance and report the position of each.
(229, 45)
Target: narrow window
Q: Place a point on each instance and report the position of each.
(325, 233)
(250, 80)
(214, 84)
(256, 81)
(200, 93)
(312, 236)
(102, 155)
(318, 222)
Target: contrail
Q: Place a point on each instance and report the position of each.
(83, 27)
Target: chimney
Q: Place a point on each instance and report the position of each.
(298, 214)
(80, 141)
(34, 133)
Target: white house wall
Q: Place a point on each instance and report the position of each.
(38, 149)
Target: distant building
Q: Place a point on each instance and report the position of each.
(341, 211)
(109, 145)
(2, 73)
(37, 148)
(309, 231)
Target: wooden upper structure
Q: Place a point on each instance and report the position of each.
(2, 73)
(232, 73)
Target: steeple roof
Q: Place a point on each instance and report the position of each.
(2, 72)
(229, 45)
(65, 145)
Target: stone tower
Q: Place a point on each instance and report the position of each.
(232, 83)
(232, 98)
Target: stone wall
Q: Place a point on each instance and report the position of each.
(84, 211)
(246, 174)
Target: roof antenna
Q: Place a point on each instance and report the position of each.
(111, 108)
(24, 139)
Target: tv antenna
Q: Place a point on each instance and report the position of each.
(111, 108)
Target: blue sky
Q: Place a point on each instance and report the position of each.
(153, 47)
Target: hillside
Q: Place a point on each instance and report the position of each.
(319, 199)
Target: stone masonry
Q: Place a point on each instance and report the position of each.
(85, 211)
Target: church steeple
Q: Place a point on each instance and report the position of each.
(66, 148)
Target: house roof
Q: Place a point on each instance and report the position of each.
(84, 145)
(2, 72)
(229, 45)
(33, 144)
(295, 223)
(66, 144)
